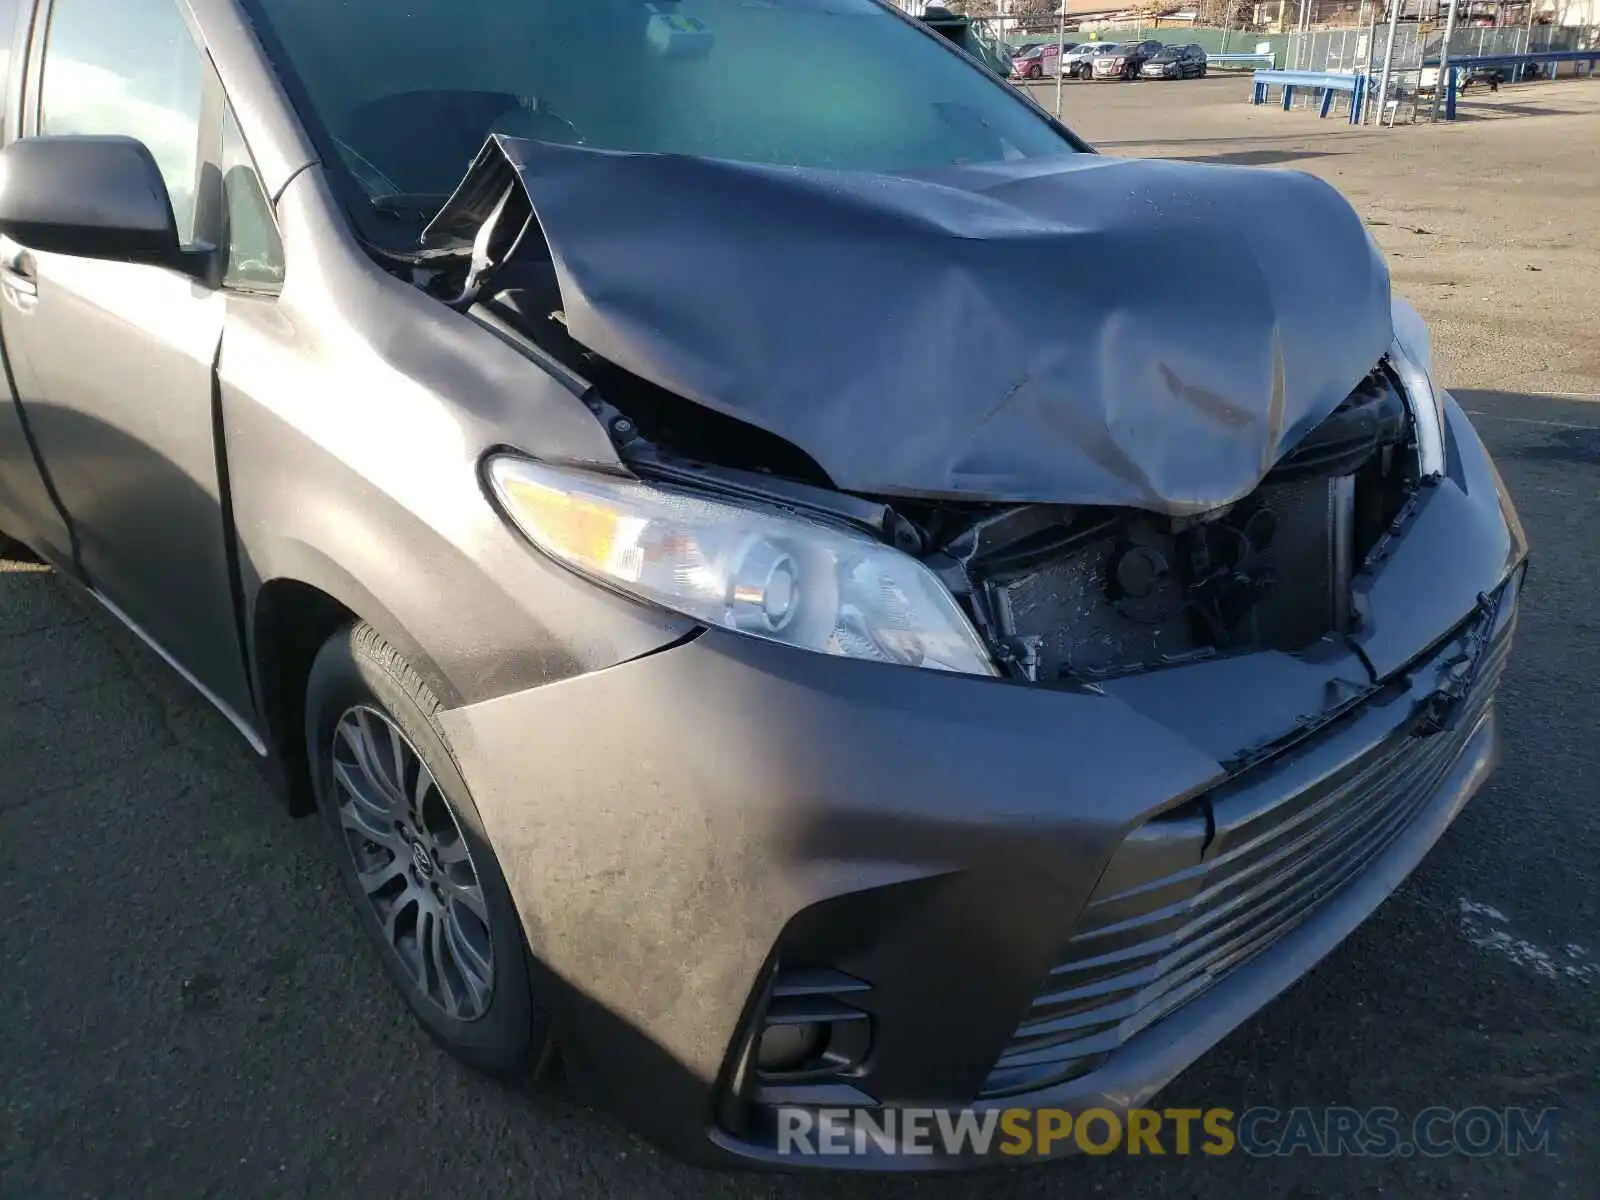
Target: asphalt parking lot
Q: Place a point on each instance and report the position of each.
(187, 1007)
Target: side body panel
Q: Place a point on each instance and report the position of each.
(113, 365)
(357, 413)
(28, 512)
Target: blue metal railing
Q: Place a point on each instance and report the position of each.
(1328, 82)
(1242, 60)
(1505, 60)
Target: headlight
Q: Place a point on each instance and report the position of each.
(755, 570)
(1412, 358)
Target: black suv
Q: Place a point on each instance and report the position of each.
(1176, 62)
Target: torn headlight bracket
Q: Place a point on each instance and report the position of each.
(484, 222)
(649, 462)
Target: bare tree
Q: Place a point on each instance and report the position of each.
(1022, 10)
(1227, 14)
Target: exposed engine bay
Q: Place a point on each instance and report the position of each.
(1082, 594)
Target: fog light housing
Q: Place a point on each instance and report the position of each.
(805, 1044)
(789, 1047)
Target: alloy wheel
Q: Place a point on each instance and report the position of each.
(412, 863)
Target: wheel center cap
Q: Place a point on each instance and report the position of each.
(421, 860)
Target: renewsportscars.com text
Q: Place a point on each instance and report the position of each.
(1260, 1132)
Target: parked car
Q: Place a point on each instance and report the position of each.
(706, 664)
(1029, 62)
(1124, 61)
(1175, 62)
(1079, 60)
(1038, 60)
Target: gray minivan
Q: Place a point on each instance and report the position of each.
(581, 489)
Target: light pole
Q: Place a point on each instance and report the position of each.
(1388, 59)
(1300, 28)
(1061, 53)
(1527, 41)
(1444, 59)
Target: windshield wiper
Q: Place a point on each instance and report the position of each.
(422, 206)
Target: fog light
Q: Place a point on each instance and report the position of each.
(785, 1047)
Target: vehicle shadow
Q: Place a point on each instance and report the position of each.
(1127, 143)
(1480, 107)
(1257, 158)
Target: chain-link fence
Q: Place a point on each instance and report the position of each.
(1363, 50)
(1347, 49)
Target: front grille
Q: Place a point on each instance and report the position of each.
(1153, 937)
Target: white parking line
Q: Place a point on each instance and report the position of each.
(1486, 927)
(1478, 412)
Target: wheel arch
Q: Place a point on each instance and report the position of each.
(292, 617)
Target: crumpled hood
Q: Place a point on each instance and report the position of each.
(1082, 329)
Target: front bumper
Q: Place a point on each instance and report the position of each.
(673, 827)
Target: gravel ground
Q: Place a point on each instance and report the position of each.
(188, 1008)
(1490, 224)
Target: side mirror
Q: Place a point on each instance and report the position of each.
(93, 197)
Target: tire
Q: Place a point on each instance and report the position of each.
(15, 550)
(1034, 72)
(501, 1023)
(1202, 71)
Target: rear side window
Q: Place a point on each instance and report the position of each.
(128, 67)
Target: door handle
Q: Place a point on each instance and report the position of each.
(18, 276)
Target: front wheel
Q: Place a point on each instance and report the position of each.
(14, 550)
(1034, 72)
(413, 856)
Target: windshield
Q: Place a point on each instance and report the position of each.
(408, 92)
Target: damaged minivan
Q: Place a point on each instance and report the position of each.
(750, 626)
